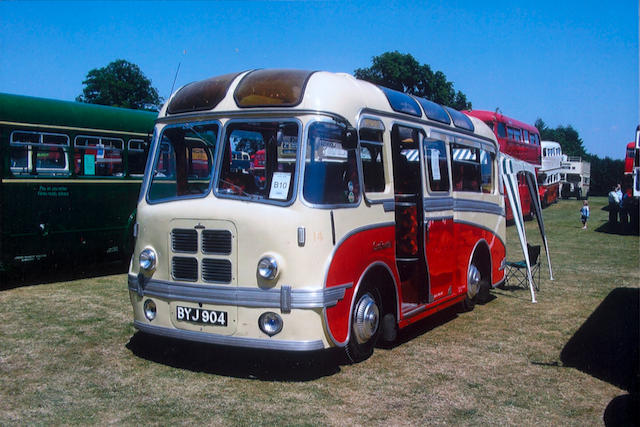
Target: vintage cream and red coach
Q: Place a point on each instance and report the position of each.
(374, 209)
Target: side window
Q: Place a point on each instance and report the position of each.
(487, 160)
(526, 136)
(406, 165)
(466, 168)
(330, 172)
(98, 156)
(437, 168)
(37, 152)
(137, 151)
(372, 160)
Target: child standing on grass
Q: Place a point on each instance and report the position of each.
(584, 214)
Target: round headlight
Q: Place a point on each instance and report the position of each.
(149, 309)
(270, 323)
(147, 260)
(268, 268)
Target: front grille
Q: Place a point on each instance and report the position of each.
(184, 240)
(216, 242)
(184, 268)
(216, 270)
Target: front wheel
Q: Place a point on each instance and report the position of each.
(365, 326)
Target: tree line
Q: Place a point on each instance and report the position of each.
(122, 84)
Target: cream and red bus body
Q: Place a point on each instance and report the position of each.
(325, 253)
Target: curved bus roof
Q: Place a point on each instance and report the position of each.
(492, 116)
(313, 92)
(21, 109)
(549, 144)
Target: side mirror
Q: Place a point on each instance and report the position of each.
(350, 138)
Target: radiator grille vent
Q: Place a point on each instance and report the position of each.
(216, 242)
(216, 270)
(184, 240)
(184, 268)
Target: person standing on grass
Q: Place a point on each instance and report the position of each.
(584, 214)
(614, 203)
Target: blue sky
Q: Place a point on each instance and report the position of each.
(566, 62)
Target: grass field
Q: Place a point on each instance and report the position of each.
(70, 355)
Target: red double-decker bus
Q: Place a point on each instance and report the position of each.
(517, 139)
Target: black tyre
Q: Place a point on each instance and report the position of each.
(365, 325)
(477, 288)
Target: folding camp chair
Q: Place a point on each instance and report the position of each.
(517, 271)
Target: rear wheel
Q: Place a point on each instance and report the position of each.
(365, 325)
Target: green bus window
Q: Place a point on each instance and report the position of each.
(137, 151)
(38, 152)
(98, 156)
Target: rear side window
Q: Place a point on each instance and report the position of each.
(466, 169)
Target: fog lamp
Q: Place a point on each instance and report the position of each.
(149, 309)
(268, 268)
(147, 260)
(270, 323)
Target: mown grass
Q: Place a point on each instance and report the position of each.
(70, 355)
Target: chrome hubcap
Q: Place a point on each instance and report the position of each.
(365, 319)
(473, 281)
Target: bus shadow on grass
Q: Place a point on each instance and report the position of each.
(268, 365)
(607, 347)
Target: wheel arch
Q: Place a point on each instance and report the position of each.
(379, 275)
(481, 254)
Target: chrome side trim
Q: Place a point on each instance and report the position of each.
(432, 204)
(269, 344)
(466, 205)
(245, 297)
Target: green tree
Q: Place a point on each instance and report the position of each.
(120, 84)
(404, 73)
(566, 136)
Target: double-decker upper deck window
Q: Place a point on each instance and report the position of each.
(330, 172)
(466, 171)
(183, 161)
(98, 156)
(502, 130)
(38, 152)
(372, 158)
(259, 161)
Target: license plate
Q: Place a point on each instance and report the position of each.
(201, 315)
